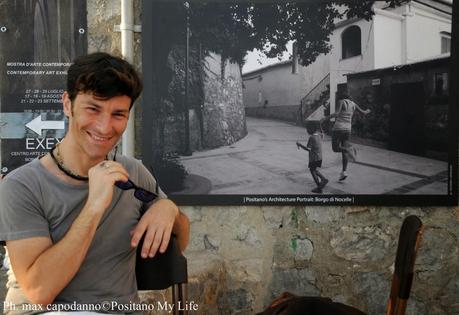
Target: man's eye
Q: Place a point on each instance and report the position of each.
(92, 109)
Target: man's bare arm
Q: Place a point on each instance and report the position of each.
(159, 221)
(182, 230)
(42, 268)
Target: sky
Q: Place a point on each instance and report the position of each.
(256, 60)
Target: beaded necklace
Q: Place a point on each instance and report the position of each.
(58, 160)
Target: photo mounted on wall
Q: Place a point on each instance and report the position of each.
(309, 102)
(38, 41)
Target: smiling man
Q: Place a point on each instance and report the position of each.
(72, 219)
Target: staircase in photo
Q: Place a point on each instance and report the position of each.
(316, 102)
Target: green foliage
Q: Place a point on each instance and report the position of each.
(196, 75)
(230, 29)
(233, 28)
(374, 126)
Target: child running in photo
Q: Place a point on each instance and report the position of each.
(314, 147)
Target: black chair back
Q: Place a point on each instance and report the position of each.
(163, 271)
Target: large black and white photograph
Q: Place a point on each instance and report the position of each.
(310, 102)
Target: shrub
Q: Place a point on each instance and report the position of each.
(169, 172)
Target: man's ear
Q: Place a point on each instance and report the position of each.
(67, 103)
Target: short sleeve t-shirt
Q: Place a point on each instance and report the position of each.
(344, 119)
(36, 203)
(315, 148)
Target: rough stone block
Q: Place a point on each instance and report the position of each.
(360, 244)
(374, 289)
(303, 249)
(296, 281)
(323, 215)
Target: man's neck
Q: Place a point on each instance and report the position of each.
(75, 159)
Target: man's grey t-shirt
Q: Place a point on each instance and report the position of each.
(35, 202)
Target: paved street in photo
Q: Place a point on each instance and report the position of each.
(267, 161)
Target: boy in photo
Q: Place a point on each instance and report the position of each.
(314, 147)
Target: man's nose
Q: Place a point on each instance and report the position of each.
(104, 124)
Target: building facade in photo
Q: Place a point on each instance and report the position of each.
(411, 32)
(410, 104)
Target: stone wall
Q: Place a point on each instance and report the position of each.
(174, 133)
(223, 109)
(241, 257)
(223, 115)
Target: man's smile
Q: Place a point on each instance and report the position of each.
(99, 138)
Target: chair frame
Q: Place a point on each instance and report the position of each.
(409, 241)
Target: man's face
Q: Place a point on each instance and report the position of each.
(95, 125)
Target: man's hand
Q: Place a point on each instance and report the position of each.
(367, 111)
(297, 145)
(44, 268)
(156, 224)
(102, 178)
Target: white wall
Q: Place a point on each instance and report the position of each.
(339, 67)
(396, 36)
(277, 85)
(280, 86)
(404, 34)
(314, 73)
(388, 44)
(423, 32)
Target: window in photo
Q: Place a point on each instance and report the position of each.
(445, 42)
(351, 42)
